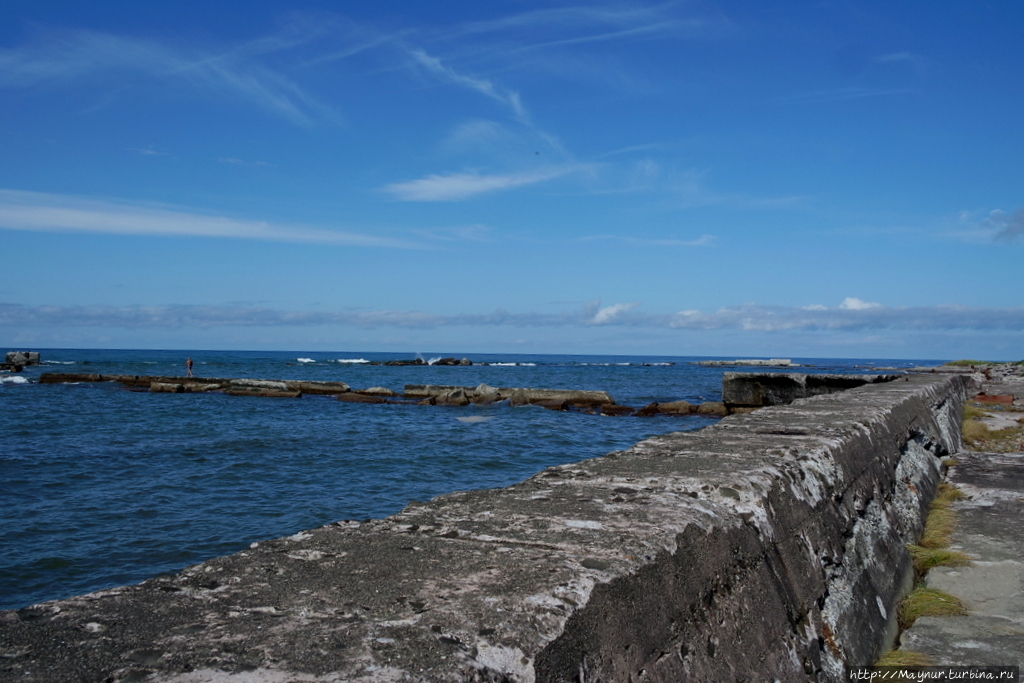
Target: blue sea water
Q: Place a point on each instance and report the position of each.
(101, 486)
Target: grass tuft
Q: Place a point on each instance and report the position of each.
(973, 411)
(938, 528)
(904, 658)
(926, 558)
(946, 494)
(928, 602)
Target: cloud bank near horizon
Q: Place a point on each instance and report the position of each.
(850, 316)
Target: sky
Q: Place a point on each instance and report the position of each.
(737, 179)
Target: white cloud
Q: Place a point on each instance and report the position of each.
(40, 212)
(610, 314)
(455, 186)
(851, 303)
(507, 97)
(748, 318)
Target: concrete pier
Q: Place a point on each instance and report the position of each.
(770, 546)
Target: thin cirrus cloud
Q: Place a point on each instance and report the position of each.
(456, 186)
(73, 56)
(41, 212)
(702, 241)
(507, 97)
(749, 318)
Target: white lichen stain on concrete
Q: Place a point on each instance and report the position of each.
(583, 524)
(510, 662)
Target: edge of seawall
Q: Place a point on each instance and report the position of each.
(770, 545)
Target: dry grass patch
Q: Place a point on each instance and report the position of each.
(904, 658)
(938, 528)
(927, 558)
(978, 435)
(928, 602)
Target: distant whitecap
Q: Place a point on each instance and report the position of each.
(305, 360)
(14, 379)
(353, 361)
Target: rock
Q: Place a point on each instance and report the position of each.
(485, 395)
(260, 384)
(377, 391)
(615, 410)
(358, 397)
(741, 410)
(677, 408)
(166, 388)
(452, 398)
(648, 410)
(325, 388)
(574, 398)
(22, 358)
(263, 393)
(415, 361)
(67, 377)
(199, 387)
(465, 361)
(780, 388)
(712, 408)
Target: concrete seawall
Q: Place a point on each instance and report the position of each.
(768, 546)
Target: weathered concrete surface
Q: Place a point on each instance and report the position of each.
(990, 528)
(755, 389)
(769, 546)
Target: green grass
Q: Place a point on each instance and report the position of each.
(928, 602)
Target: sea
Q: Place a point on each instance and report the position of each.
(101, 486)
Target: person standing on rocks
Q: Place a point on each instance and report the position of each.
(188, 366)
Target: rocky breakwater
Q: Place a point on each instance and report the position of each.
(756, 389)
(15, 361)
(770, 546)
(588, 401)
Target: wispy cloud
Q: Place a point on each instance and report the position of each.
(455, 186)
(88, 56)
(843, 94)
(40, 212)
(746, 318)
(1006, 227)
(505, 96)
(702, 241)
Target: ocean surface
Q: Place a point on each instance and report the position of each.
(101, 486)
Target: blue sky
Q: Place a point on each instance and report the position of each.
(832, 179)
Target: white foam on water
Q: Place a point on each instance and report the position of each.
(353, 361)
(513, 365)
(13, 380)
(305, 360)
